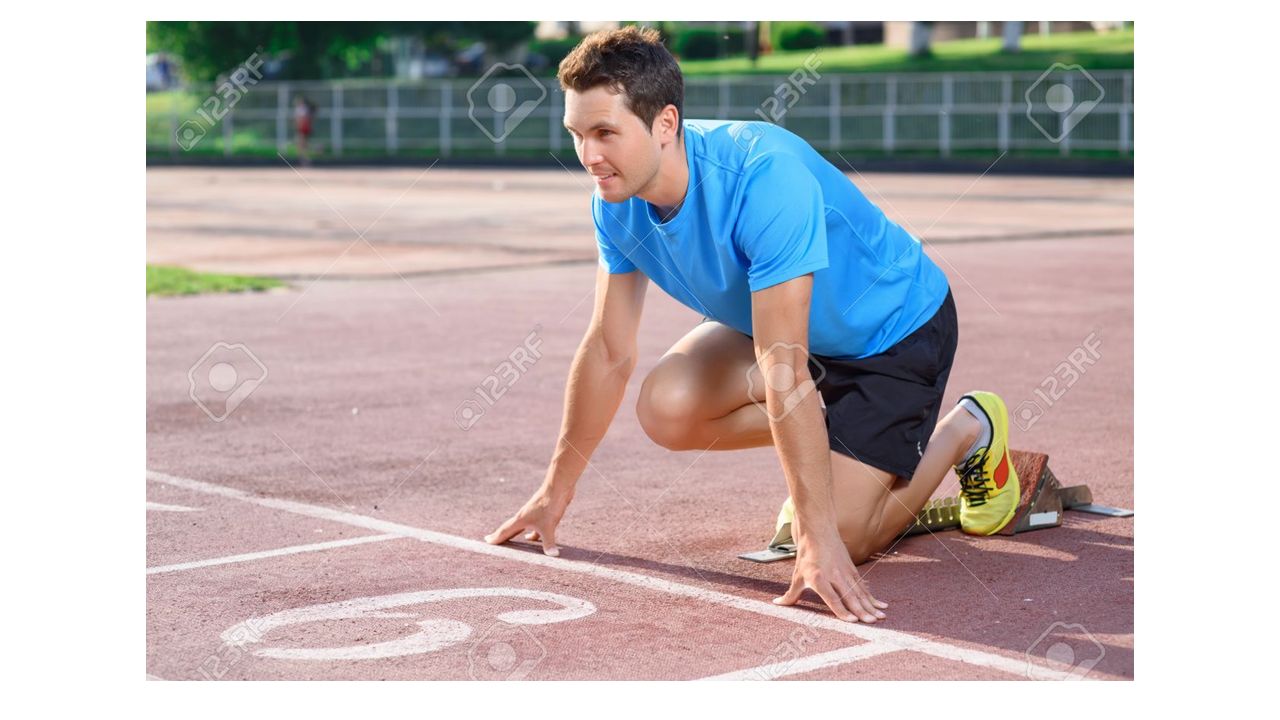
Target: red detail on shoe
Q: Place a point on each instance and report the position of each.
(1002, 471)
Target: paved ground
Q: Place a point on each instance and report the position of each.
(316, 503)
(303, 223)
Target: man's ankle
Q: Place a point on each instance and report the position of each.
(977, 429)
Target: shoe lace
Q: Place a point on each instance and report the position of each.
(973, 484)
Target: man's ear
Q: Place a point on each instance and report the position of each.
(668, 123)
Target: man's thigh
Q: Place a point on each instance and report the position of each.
(708, 373)
(711, 372)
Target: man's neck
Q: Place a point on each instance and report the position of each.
(671, 185)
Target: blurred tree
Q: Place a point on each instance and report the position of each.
(315, 50)
(796, 35)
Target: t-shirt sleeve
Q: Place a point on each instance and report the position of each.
(612, 259)
(782, 227)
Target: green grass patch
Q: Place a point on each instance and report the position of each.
(1093, 51)
(162, 280)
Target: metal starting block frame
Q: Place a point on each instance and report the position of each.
(1040, 506)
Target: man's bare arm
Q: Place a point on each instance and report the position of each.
(780, 326)
(599, 374)
(597, 382)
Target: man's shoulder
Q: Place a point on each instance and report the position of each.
(757, 152)
(738, 142)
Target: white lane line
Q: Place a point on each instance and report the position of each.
(293, 550)
(898, 639)
(808, 663)
(170, 508)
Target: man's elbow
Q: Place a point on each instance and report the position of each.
(622, 362)
(784, 365)
(619, 358)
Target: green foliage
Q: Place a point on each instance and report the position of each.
(555, 50)
(798, 35)
(316, 50)
(667, 30)
(700, 43)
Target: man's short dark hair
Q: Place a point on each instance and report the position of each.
(632, 60)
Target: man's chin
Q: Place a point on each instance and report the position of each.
(615, 196)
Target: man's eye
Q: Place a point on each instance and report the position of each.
(605, 132)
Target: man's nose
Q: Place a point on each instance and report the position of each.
(590, 156)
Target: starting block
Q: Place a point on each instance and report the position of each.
(1041, 505)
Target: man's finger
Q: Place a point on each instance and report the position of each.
(836, 602)
(506, 531)
(872, 604)
(862, 601)
(791, 595)
(862, 605)
(549, 542)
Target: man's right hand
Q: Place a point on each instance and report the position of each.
(824, 566)
(540, 516)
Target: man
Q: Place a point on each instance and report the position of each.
(804, 285)
(303, 115)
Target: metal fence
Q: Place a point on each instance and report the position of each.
(1063, 111)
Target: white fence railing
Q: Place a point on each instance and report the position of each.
(1062, 112)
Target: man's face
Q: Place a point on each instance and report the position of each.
(612, 142)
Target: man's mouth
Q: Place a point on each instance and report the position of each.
(603, 178)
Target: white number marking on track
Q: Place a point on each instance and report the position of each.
(433, 633)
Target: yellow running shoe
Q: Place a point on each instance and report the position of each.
(989, 490)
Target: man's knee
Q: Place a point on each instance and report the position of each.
(668, 408)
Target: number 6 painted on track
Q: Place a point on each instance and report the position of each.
(433, 634)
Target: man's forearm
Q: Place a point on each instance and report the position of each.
(800, 437)
(593, 392)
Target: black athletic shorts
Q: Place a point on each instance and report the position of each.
(882, 409)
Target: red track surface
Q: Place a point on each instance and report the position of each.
(355, 425)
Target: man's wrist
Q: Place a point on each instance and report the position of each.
(814, 526)
(558, 488)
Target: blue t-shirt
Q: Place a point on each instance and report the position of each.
(764, 207)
